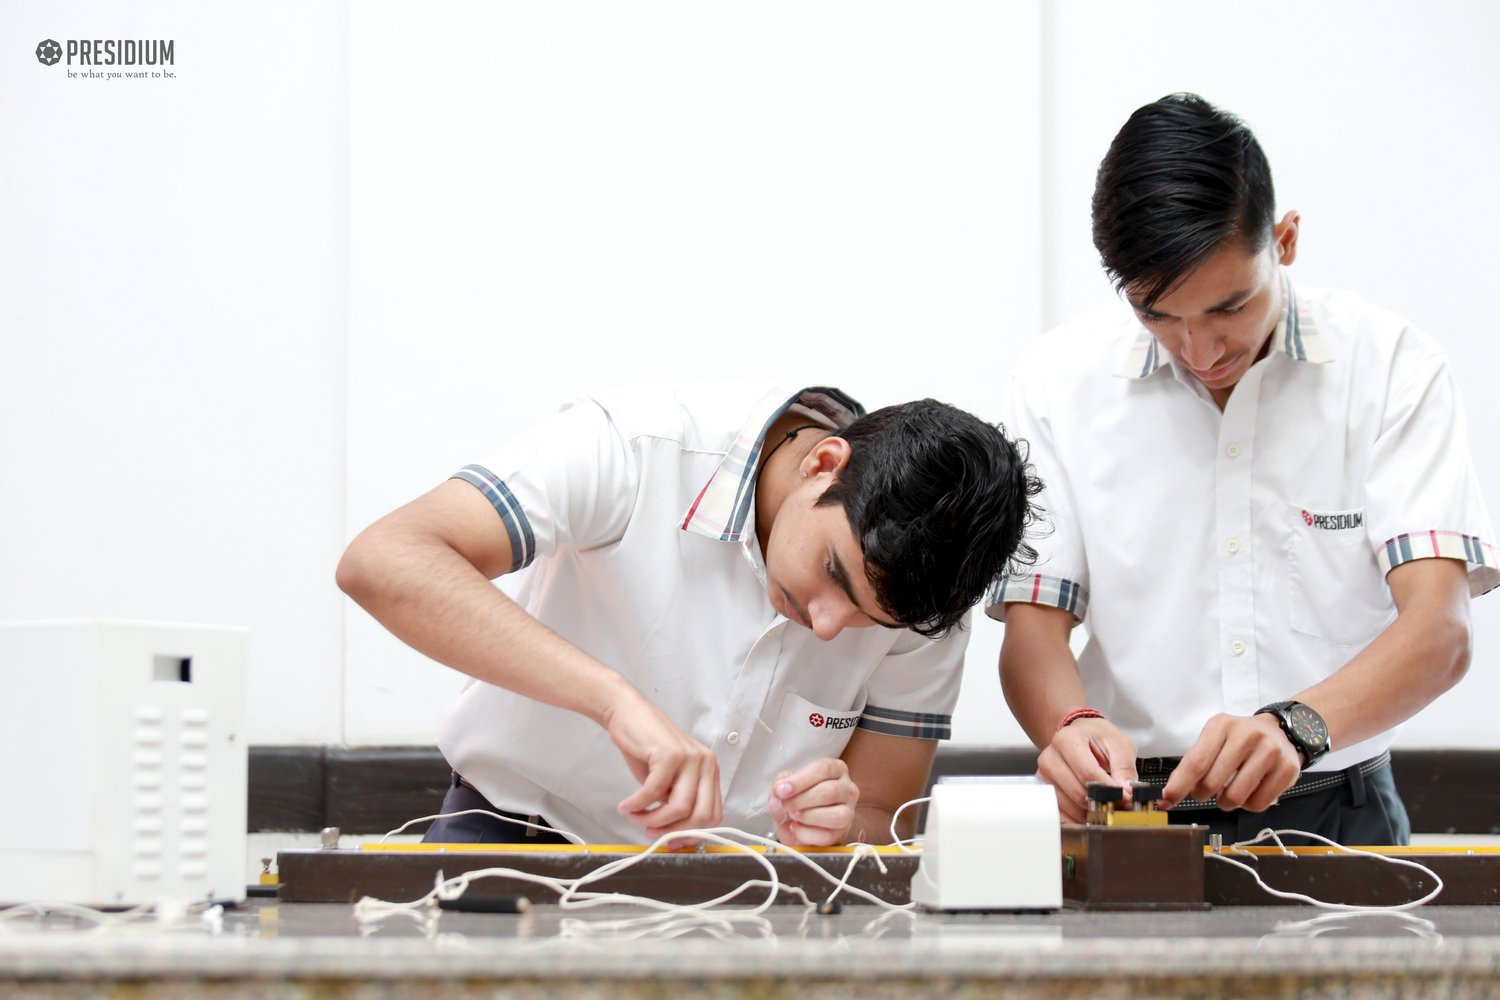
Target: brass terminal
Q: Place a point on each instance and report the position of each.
(1109, 807)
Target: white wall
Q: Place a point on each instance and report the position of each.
(172, 335)
(545, 198)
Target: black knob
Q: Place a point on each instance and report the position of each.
(1141, 793)
(1103, 791)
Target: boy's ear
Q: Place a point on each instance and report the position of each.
(829, 455)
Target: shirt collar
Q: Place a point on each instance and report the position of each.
(1296, 335)
(722, 508)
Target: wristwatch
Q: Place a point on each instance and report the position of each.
(1303, 726)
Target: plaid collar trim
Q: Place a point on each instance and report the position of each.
(722, 508)
(1296, 335)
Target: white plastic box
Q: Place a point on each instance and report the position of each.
(124, 761)
(991, 843)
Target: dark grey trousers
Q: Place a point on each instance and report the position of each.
(1364, 811)
(477, 829)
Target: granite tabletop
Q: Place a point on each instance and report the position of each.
(322, 950)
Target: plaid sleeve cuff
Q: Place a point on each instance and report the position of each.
(916, 725)
(1484, 567)
(1052, 591)
(522, 541)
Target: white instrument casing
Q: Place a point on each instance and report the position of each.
(126, 778)
(991, 843)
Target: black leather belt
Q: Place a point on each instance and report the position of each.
(1156, 770)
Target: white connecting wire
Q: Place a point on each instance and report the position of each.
(572, 838)
(862, 851)
(896, 840)
(1275, 835)
(572, 893)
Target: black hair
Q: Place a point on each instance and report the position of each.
(939, 501)
(1181, 178)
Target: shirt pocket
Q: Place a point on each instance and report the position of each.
(809, 732)
(1333, 581)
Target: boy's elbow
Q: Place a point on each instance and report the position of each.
(355, 575)
(1461, 647)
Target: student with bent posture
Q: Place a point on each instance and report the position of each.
(724, 603)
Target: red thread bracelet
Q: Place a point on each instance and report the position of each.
(1079, 713)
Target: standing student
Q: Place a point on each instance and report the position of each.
(1263, 506)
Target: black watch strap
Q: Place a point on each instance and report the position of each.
(1303, 726)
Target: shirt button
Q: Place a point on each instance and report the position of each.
(1233, 451)
(1233, 545)
(1236, 647)
(732, 738)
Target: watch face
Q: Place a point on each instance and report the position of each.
(1307, 726)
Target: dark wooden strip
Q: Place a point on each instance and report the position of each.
(375, 789)
(371, 790)
(1468, 879)
(957, 759)
(1099, 882)
(286, 789)
(339, 876)
(1449, 791)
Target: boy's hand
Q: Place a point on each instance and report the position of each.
(814, 806)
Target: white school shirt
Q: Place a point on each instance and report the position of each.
(1224, 561)
(631, 514)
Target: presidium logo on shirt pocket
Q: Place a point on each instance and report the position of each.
(819, 720)
(1342, 521)
(816, 725)
(1333, 581)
